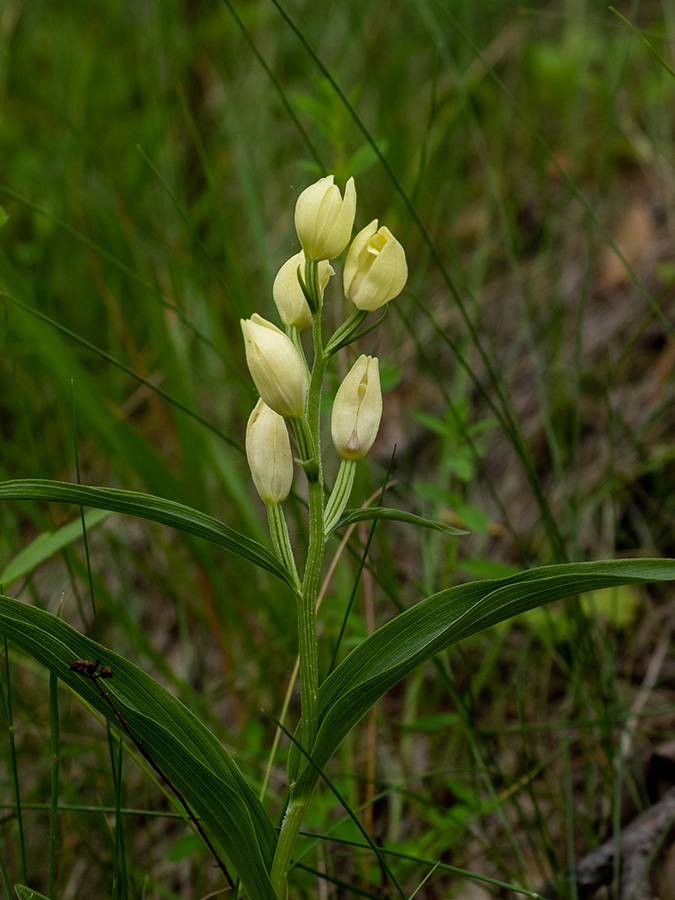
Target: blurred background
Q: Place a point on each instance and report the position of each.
(150, 158)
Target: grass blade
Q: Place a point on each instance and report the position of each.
(120, 365)
(54, 796)
(15, 770)
(46, 545)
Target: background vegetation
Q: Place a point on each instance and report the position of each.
(151, 154)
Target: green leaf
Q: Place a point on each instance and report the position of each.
(461, 467)
(438, 426)
(350, 516)
(45, 545)
(26, 893)
(394, 650)
(173, 737)
(473, 517)
(436, 494)
(151, 507)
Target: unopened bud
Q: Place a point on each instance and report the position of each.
(275, 367)
(357, 409)
(268, 451)
(323, 219)
(288, 295)
(375, 269)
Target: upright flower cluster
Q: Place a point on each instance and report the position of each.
(375, 272)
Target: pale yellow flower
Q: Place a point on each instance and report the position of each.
(268, 451)
(288, 295)
(375, 269)
(323, 219)
(357, 409)
(275, 367)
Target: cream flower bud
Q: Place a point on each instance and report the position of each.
(323, 219)
(268, 451)
(275, 367)
(357, 409)
(287, 293)
(375, 268)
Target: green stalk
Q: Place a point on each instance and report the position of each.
(54, 800)
(294, 335)
(307, 645)
(309, 666)
(306, 607)
(306, 448)
(340, 494)
(15, 769)
(347, 332)
(290, 828)
(4, 879)
(118, 849)
(281, 540)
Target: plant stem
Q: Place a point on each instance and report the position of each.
(290, 828)
(307, 646)
(15, 769)
(304, 440)
(306, 607)
(281, 540)
(309, 662)
(339, 497)
(54, 804)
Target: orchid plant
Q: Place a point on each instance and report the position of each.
(222, 805)
(375, 273)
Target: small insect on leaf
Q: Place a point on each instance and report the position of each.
(106, 672)
(84, 666)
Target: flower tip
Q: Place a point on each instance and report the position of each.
(324, 218)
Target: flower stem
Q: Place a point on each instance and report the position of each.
(347, 332)
(281, 540)
(308, 437)
(340, 494)
(306, 448)
(309, 664)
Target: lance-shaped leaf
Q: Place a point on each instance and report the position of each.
(350, 516)
(47, 544)
(172, 736)
(398, 647)
(151, 507)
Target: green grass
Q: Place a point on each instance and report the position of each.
(151, 156)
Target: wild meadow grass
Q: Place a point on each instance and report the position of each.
(523, 155)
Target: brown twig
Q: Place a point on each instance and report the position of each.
(650, 832)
